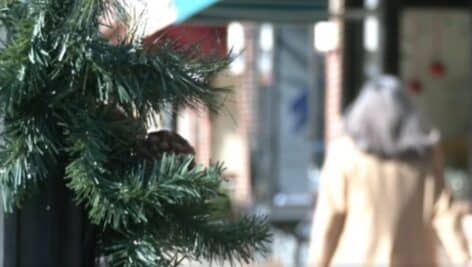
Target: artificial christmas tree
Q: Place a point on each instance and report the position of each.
(75, 107)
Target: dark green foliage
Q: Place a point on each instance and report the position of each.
(73, 102)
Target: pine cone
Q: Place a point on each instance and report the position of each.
(157, 143)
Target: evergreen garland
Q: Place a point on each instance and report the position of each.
(75, 104)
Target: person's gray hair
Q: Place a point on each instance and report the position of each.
(383, 120)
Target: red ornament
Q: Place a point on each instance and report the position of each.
(437, 69)
(415, 86)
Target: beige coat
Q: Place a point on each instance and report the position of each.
(378, 212)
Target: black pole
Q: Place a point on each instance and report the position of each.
(50, 230)
(390, 21)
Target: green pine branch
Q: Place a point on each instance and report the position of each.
(28, 156)
(170, 202)
(168, 243)
(75, 104)
(132, 74)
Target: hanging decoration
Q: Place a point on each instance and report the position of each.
(414, 85)
(436, 68)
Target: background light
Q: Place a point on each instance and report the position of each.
(326, 36)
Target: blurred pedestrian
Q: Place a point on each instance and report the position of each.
(382, 199)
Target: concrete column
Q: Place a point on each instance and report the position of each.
(243, 98)
(203, 137)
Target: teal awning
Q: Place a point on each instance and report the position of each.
(277, 11)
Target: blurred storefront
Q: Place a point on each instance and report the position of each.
(270, 134)
(300, 64)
